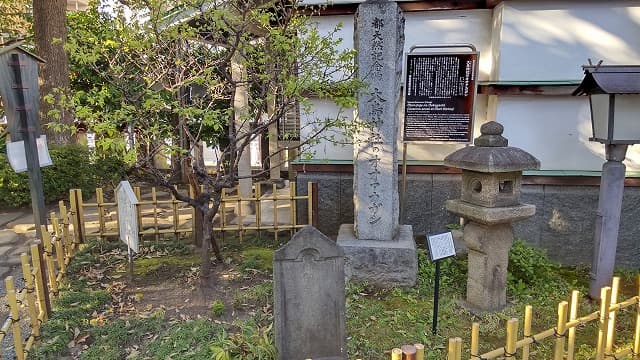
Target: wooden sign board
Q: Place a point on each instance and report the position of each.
(127, 215)
(440, 91)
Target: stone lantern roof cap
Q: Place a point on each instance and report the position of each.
(491, 153)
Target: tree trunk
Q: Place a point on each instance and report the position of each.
(49, 24)
(207, 241)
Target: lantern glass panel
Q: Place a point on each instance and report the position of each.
(600, 116)
(626, 125)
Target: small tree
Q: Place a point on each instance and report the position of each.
(214, 71)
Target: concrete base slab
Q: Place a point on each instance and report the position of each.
(8, 237)
(384, 263)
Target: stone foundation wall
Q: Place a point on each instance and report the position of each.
(564, 222)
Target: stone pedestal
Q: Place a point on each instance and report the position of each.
(383, 263)
(488, 251)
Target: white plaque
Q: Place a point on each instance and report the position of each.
(18, 158)
(127, 215)
(441, 246)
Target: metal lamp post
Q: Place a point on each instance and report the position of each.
(614, 97)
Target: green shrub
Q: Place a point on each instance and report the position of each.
(529, 268)
(74, 167)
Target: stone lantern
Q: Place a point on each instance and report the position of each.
(490, 202)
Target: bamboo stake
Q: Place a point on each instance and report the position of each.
(30, 296)
(274, 190)
(451, 355)
(573, 314)
(154, 199)
(54, 223)
(73, 207)
(136, 191)
(615, 286)
(81, 226)
(512, 337)
(240, 219)
(15, 317)
(65, 229)
(636, 338)
(292, 207)
(408, 352)
(48, 258)
(40, 284)
(258, 206)
(458, 348)
(419, 351)
(62, 266)
(605, 298)
(396, 354)
(526, 331)
(100, 204)
(310, 202)
(475, 337)
(561, 330)
(176, 216)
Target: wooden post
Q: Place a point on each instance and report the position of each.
(136, 190)
(176, 216)
(573, 314)
(30, 296)
(274, 191)
(396, 354)
(314, 204)
(65, 230)
(451, 353)
(239, 215)
(615, 285)
(43, 295)
(73, 207)
(408, 352)
(81, 226)
(54, 223)
(475, 340)
(561, 330)
(48, 258)
(154, 199)
(526, 331)
(512, 338)
(458, 348)
(292, 206)
(419, 351)
(15, 317)
(258, 207)
(100, 203)
(62, 266)
(605, 298)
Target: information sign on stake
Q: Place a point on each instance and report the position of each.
(128, 220)
(441, 246)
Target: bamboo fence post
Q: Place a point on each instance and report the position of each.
(43, 294)
(419, 351)
(15, 317)
(605, 298)
(396, 354)
(48, 258)
(136, 191)
(458, 348)
(636, 338)
(176, 216)
(512, 338)
(62, 267)
(310, 213)
(615, 286)
(154, 199)
(561, 330)
(80, 205)
(30, 296)
(274, 191)
(239, 216)
(54, 223)
(475, 339)
(451, 354)
(292, 206)
(73, 208)
(408, 352)
(100, 204)
(526, 330)
(573, 314)
(223, 212)
(65, 228)
(258, 207)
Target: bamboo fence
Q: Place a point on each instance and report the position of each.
(43, 273)
(563, 334)
(150, 208)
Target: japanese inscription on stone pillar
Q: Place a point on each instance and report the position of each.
(380, 38)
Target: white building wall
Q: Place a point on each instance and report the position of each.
(523, 40)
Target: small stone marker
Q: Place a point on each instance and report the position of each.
(309, 298)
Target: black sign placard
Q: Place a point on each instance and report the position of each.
(439, 97)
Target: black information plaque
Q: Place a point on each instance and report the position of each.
(439, 97)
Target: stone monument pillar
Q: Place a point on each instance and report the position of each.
(377, 248)
(490, 201)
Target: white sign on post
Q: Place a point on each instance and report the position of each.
(441, 246)
(18, 158)
(127, 215)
